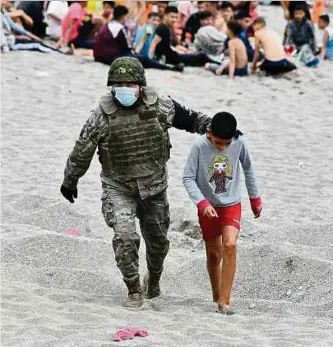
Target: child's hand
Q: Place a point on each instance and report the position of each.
(210, 212)
(257, 211)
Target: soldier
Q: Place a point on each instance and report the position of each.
(130, 129)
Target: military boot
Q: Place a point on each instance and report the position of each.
(151, 286)
(135, 298)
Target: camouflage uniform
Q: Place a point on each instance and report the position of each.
(134, 147)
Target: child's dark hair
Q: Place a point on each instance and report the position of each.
(204, 15)
(234, 27)
(225, 6)
(120, 11)
(171, 9)
(153, 14)
(224, 126)
(299, 7)
(325, 18)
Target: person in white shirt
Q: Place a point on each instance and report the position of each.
(55, 13)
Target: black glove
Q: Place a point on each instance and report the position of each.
(69, 194)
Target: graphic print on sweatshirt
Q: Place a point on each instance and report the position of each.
(220, 173)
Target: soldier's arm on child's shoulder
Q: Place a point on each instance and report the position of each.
(182, 117)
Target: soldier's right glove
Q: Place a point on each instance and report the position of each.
(69, 194)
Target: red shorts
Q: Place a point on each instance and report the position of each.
(228, 216)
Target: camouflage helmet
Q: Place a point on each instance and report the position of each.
(127, 70)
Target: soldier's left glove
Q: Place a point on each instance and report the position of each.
(69, 194)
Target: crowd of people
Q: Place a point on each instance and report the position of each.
(225, 37)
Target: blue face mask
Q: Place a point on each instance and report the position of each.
(126, 96)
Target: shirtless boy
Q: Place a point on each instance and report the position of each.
(275, 61)
(238, 63)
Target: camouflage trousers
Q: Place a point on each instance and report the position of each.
(120, 207)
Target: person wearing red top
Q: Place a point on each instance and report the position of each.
(78, 25)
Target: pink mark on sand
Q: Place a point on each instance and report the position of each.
(128, 333)
(73, 232)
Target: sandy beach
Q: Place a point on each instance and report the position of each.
(60, 290)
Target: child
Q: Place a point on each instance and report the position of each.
(238, 63)
(209, 38)
(326, 51)
(300, 33)
(275, 61)
(212, 180)
(107, 14)
(144, 35)
(227, 11)
(161, 47)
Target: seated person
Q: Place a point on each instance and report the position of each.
(212, 6)
(55, 13)
(103, 10)
(107, 14)
(275, 61)
(319, 37)
(111, 43)
(327, 45)
(145, 34)
(300, 34)
(162, 5)
(248, 7)
(300, 31)
(34, 9)
(289, 8)
(17, 15)
(185, 9)
(78, 26)
(16, 38)
(238, 63)
(161, 45)
(245, 22)
(209, 39)
(192, 25)
(227, 11)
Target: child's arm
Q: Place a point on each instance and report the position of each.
(142, 42)
(289, 37)
(256, 55)
(65, 39)
(232, 63)
(190, 177)
(285, 5)
(323, 48)
(250, 180)
(156, 40)
(312, 37)
(20, 13)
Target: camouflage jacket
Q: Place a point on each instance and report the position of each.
(95, 135)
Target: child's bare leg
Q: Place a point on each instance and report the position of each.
(220, 70)
(229, 239)
(214, 257)
(212, 67)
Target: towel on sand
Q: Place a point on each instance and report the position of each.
(128, 333)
